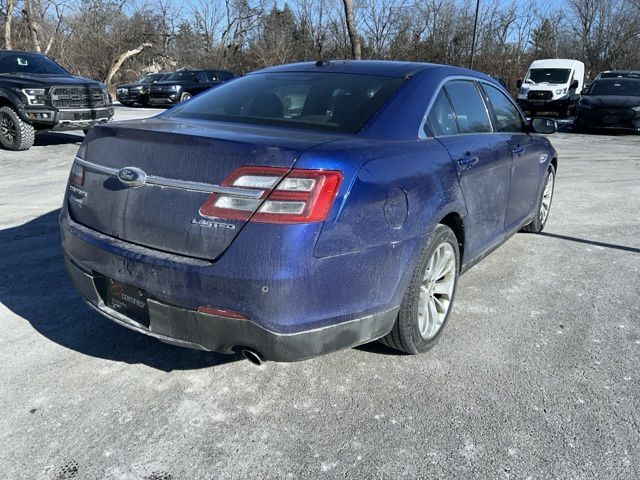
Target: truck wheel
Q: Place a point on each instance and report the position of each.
(427, 302)
(15, 133)
(185, 96)
(543, 205)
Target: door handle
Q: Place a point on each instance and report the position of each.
(517, 150)
(468, 161)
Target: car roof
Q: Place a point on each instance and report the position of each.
(383, 68)
(555, 63)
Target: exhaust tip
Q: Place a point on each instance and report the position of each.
(253, 356)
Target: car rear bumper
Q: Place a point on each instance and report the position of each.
(297, 307)
(189, 328)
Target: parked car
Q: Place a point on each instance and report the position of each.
(184, 84)
(38, 94)
(551, 86)
(138, 92)
(611, 102)
(242, 221)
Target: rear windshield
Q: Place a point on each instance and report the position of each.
(327, 101)
(19, 62)
(620, 86)
(548, 75)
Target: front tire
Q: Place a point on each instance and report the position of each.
(185, 96)
(544, 204)
(428, 300)
(15, 133)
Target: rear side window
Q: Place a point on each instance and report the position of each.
(508, 118)
(468, 106)
(441, 117)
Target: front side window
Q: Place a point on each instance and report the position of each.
(185, 75)
(441, 117)
(314, 100)
(508, 119)
(468, 106)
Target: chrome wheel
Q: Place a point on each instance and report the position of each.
(8, 129)
(185, 96)
(436, 290)
(547, 194)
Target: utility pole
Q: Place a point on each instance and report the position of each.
(473, 40)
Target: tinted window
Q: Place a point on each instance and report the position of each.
(184, 75)
(620, 75)
(619, 86)
(468, 107)
(224, 75)
(328, 101)
(28, 63)
(441, 116)
(508, 118)
(201, 77)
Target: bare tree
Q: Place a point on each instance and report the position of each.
(121, 59)
(356, 49)
(33, 26)
(7, 13)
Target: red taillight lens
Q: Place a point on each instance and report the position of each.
(296, 196)
(77, 175)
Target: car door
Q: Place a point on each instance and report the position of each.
(526, 151)
(460, 121)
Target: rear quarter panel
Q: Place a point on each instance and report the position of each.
(393, 191)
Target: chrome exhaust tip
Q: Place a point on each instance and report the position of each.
(253, 356)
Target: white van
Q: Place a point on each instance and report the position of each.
(551, 86)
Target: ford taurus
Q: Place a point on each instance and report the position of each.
(304, 208)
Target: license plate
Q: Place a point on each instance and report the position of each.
(537, 102)
(611, 119)
(128, 300)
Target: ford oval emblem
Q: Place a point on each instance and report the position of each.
(132, 176)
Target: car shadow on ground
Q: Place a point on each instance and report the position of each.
(45, 139)
(35, 286)
(591, 242)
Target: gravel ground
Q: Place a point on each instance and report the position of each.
(536, 377)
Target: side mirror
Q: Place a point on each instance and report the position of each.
(574, 85)
(519, 83)
(585, 89)
(543, 125)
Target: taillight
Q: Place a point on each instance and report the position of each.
(77, 174)
(296, 196)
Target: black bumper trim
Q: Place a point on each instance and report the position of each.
(189, 328)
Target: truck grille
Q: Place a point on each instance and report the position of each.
(539, 95)
(77, 97)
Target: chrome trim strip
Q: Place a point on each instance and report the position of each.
(174, 183)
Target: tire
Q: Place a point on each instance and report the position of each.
(144, 101)
(15, 133)
(409, 333)
(540, 220)
(185, 96)
(127, 104)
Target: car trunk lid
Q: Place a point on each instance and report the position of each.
(182, 162)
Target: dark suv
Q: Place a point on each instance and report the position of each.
(38, 94)
(184, 84)
(138, 92)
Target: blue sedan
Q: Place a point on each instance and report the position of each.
(304, 208)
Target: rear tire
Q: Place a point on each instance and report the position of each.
(15, 133)
(428, 300)
(544, 204)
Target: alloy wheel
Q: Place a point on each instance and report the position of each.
(547, 194)
(8, 129)
(436, 290)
